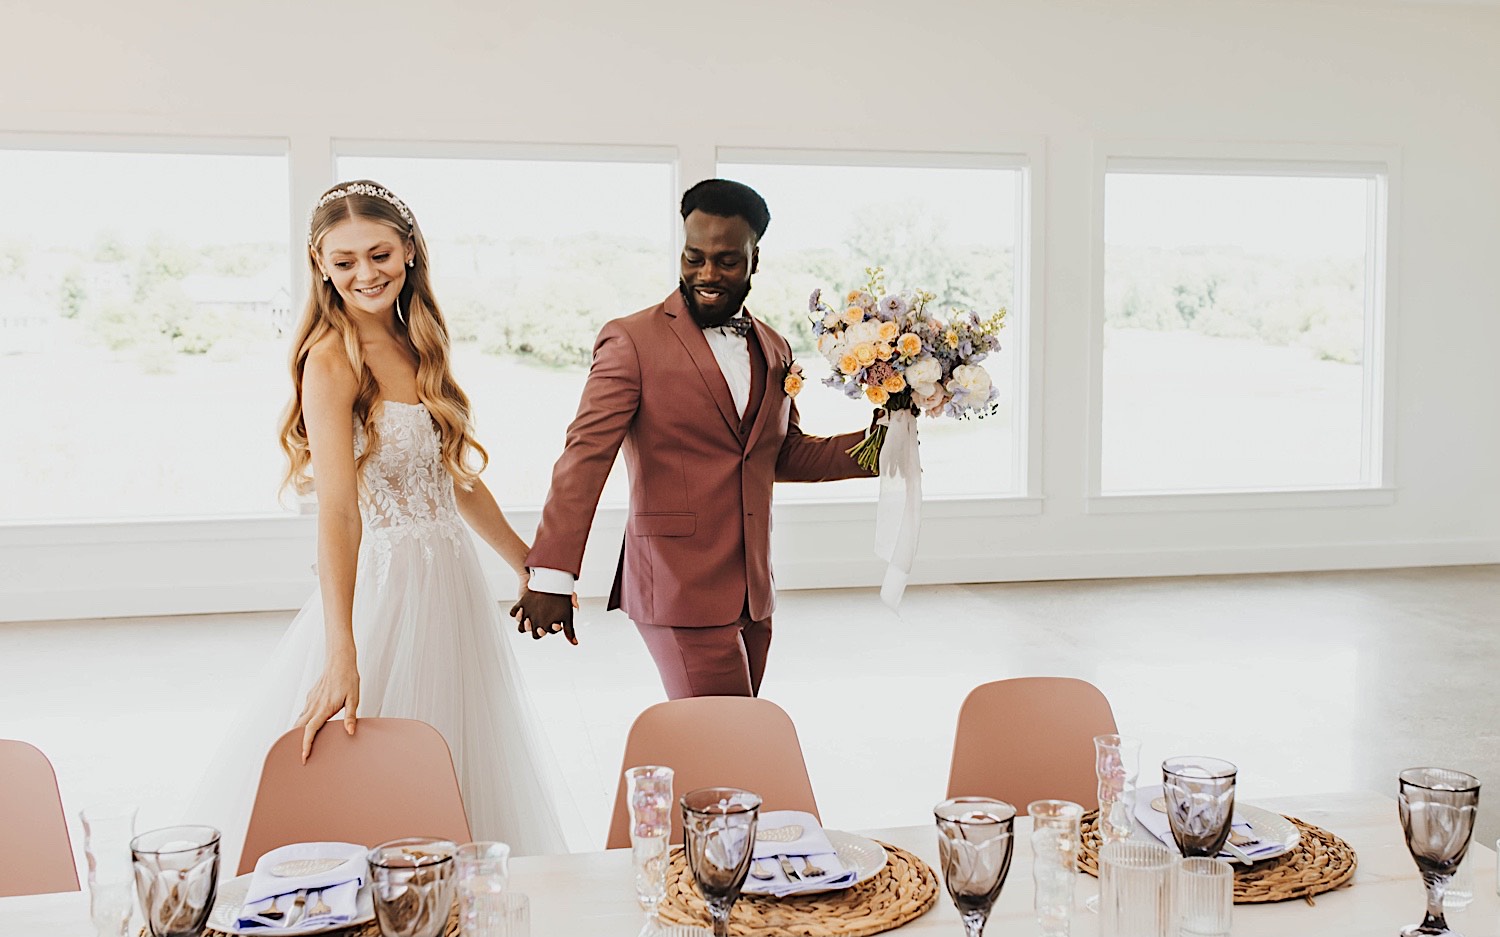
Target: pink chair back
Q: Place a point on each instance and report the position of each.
(1030, 738)
(756, 750)
(36, 855)
(393, 778)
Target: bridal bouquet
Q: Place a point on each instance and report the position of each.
(893, 350)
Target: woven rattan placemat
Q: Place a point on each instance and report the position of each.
(1320, 862)
(368, 929)
(902, 891)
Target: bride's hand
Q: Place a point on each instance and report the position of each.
(337, 688)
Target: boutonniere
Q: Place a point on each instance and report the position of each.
(792, 383)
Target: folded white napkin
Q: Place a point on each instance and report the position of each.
(794, 835)
(337, 887)
(1156, 823)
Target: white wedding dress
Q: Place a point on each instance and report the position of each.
(432, 645)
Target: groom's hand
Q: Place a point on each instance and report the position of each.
(544, 612)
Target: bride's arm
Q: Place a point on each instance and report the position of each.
(483, 514)
(328, 390)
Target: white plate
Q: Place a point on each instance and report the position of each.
(864, 856)
(1269, 825)
(231, 899)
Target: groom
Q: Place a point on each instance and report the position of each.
(693, 388)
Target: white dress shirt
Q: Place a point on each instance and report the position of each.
(733, 354)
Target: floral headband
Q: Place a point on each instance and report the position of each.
(360, 188)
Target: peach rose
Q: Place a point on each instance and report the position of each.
(877, 395)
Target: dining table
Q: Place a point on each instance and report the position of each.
(591, 894)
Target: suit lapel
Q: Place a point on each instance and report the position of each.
(691, 336)
(775, 369)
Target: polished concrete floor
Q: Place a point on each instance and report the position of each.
(1310, 682)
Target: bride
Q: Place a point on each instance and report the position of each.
(404, 624)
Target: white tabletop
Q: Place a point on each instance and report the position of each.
(590, 894)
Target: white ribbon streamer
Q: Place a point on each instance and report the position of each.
(898, 515)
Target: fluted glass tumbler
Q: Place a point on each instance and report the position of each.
(975, 844)
(1135, 889)
(107, 832)
(1203, 895)
(483, 871)
(648, 792)
(1437, 807)
(718, 833)
(176, 878)
(1054, 866)
(1199, 795)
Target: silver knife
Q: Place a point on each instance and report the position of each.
(786, 866)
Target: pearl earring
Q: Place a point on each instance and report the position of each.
(325, 278)
(411, 263)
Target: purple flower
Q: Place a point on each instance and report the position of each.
(892, 306)
(814, 301)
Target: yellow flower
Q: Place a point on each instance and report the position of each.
(854, 315)
(951, 338)
(792, 385)
(883, 351)
(909, 345)
(849, 364)
(877, 395)
(889, 331)
(865, 353)
(894, 384)
(852, 298)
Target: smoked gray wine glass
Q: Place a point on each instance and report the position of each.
(718, 832)
(1199, 794)
(975, 844)
(1437, 808)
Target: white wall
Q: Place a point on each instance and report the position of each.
(943, 75)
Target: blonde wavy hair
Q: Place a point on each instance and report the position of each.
(423, 329)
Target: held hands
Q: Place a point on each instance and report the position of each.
(337, 688)
(542, 613)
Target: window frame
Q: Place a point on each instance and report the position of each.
(1377, 164)
(1027, 157)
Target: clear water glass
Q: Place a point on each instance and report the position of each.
(648, 791)
(412, 881)
(1199, 794)
(975, 844)
(176, 878)
(1437, 808)
(1117, 765)
(718, 833)
(483, 870)
(107, 832)
(1054, 867)
(1204, 897)
(1135, 889)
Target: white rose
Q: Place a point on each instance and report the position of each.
(832, 319)
(970, 380)
(829, 345)
(925, 370)
(866, 332)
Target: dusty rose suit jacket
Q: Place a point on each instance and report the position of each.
(698, 539)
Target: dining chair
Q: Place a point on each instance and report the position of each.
(1029, 738)
(716, 741)
(36, 855)
(392, 778)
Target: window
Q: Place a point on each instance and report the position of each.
(1242, 311)
(530, 257)
(951, 225)
(144, 298)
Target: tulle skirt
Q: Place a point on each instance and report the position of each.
(432, 645)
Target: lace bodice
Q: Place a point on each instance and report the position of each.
(408, 493)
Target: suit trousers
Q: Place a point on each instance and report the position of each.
(725, 660)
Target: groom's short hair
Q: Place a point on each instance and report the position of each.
(728, 199)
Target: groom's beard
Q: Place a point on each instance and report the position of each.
(736, 301)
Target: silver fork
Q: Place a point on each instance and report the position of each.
(809, 870)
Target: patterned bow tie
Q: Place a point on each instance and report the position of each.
(739, 325)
